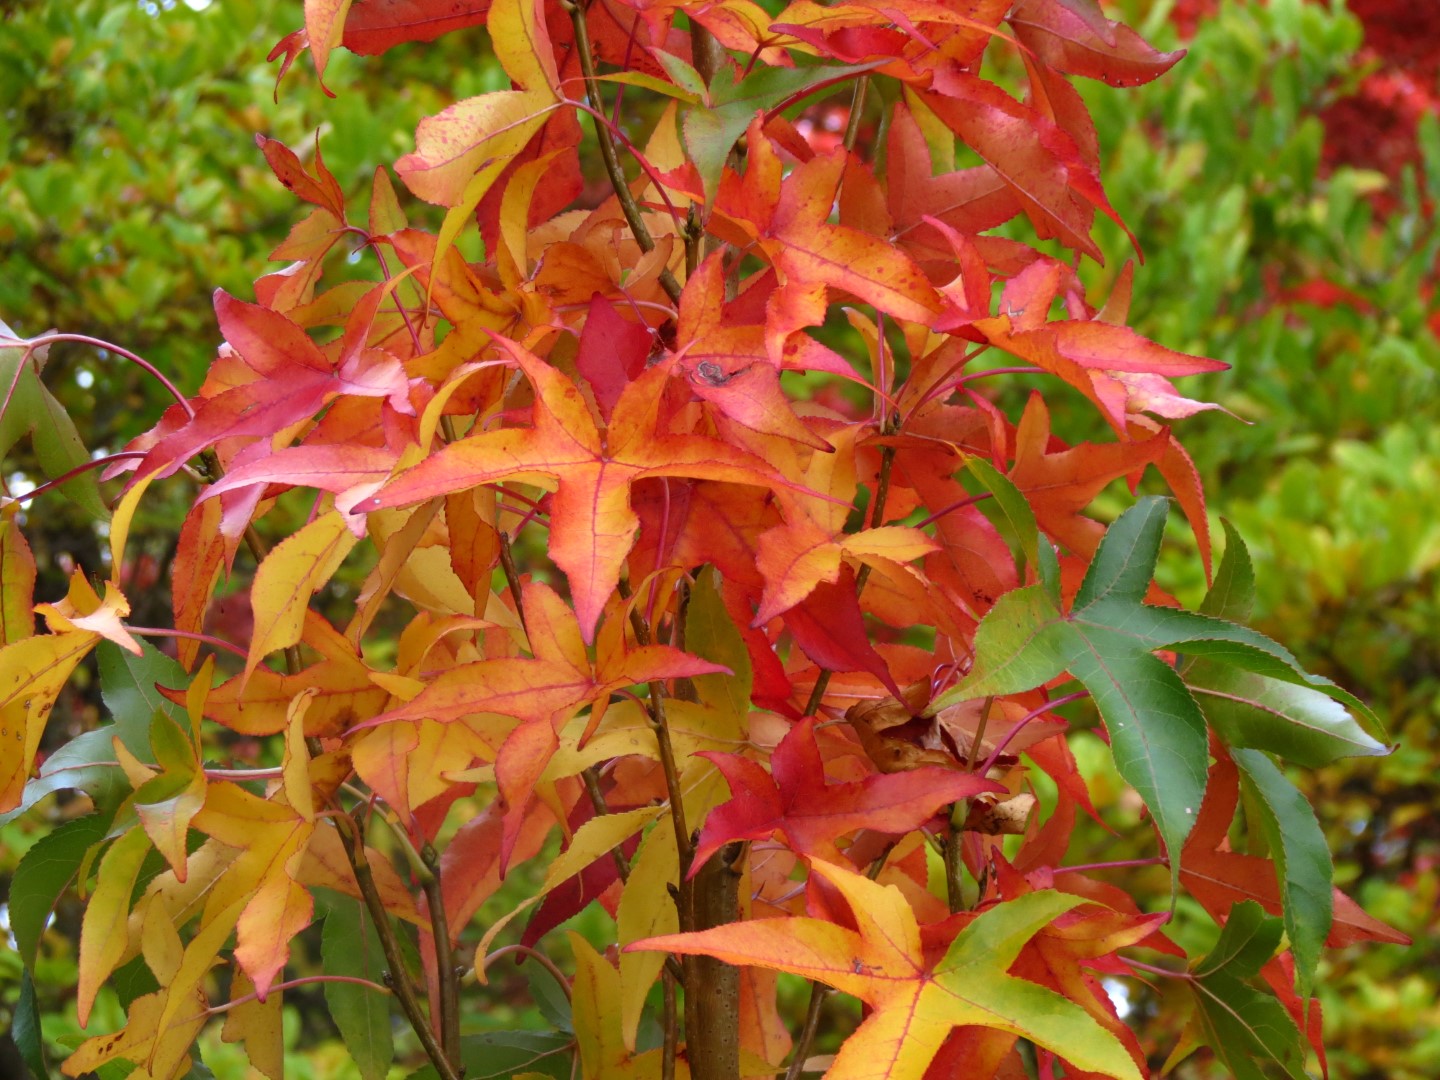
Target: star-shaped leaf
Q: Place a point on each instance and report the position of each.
(915, 1006)
(1107, 641)
(592, 523)
(796, 800)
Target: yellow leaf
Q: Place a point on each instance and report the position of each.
(82, 609)
(162, 1026)
(258, 1024)
(646, 910)
(522, 44)
(296, 769)
(17, 584)
(103, 935)
(160, 941)
(591, 841)
(32, 673)
(120, 519)
(285, 581)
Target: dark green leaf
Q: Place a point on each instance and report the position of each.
(43, 875)
(1107, 642)
(503, 1053)
(1300, 724)
(1232, 593)
(1302, 860)
(25, 1028)
(1248, 940)
(550, 997)
(127, 685)
(349, 946)
(1010, 504)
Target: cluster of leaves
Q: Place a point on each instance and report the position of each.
(630, 565)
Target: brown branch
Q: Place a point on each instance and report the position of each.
(396, 977)
(818, 993)
(628, 205)
(446, 971)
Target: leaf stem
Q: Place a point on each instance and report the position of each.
(207, 639)
(539, 957)
(32, 344)
(512, 579)
(216, 1010)
(70, 474)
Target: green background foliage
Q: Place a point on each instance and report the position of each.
(132, 188)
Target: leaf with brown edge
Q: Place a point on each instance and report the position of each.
(592, 524)
(797, 800)
(914, 1005)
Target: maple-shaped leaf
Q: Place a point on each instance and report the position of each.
(795, 799)
(1116, 368)
(287, 379)
(1107, 641)
(728, 365)
(592, 524)
(915, 1005)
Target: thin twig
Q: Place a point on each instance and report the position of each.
(512, 579)
(628, 205)
(444, 957)
(398, 979)
(818, 993)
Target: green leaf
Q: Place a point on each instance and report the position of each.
(711, 635)
(711, 132)
(1300, 724)
(974, 966)
(127, 686)
(1232, 593)
(1302, 860)
(1248, 939)
(1157, 731)
(498, 1054)
(1012, 506)
(86, 763)
(549, 997)
(349, 945)
(25, 1028)
(1249, 1030)
(44, 873)
(33, 410)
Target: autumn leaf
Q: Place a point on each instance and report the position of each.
(592, 523)
(284, 582)
(33, 671)
(914, 1005)
(797, 800)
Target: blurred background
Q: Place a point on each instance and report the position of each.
(1282, 179)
